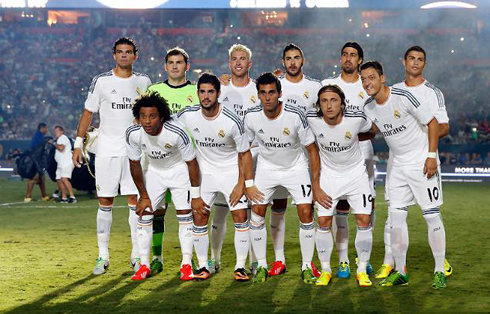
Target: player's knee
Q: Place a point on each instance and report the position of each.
(106, 201)
(325, 221)
(432, 214)
(239, 216)
(304, 213)
(363, 220)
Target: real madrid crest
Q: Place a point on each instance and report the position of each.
(348, 135)
(167, 146)
(190, 99)
(361, 95)
(306, 95)
(397, 114)
(253, 99)
(138, 91)
(221, 133)
(286, 131)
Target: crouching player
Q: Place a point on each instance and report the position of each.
(343, 176)
(168, 149)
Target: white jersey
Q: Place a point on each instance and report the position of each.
(280, 140)
(302, 94)
(428, 93)
(401, 120)
(218, 141)
(63, 158)
(239, 99)
(113, 97)
(171, 148)
(355, 96)
(339, 144)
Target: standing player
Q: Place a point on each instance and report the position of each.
(179, 93)
(349, 80)
(282, 131)
(168, 149)
(414, 62)
(239, 94)
(343, 176)
(298, 90)
(111, 94)
(63, 157)
(413, 174)
(226, 167)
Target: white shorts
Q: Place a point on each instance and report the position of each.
(368, 154)
(176, 180)
(356, 190)
(112, 172)
(296, 182)
(214, 184)
(407, 184)
(64, 171)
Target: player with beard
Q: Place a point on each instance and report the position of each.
(349, 80)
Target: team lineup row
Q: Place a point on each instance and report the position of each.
(248, 142)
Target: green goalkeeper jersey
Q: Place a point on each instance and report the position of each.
(178, 97)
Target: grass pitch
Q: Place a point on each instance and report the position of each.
(48, 251)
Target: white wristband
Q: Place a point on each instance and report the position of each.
(78, 142)
(432, 155)
(195, 191)
(249, 183)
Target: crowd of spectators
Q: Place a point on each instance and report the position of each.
(44, 75)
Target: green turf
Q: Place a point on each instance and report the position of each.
(48, 252)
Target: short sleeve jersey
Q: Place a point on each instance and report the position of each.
(239, 99)
(113, 97)
(339, 144)
(218, 141)
(281, 139)
(63, 158)
(302, 94)
(401, 120)
(355, 96)
(428, 93)
(166, 150)
(178, 97)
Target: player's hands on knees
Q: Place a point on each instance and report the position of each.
(254, 194)
(142, 206)
(322, 198)
(224, 79)
(77, 157)
(430, 167)
(200, 207)
(237, 194)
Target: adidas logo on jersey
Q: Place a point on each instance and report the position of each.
(196, 130)
(113, 92)
(226, 99)
(321, 135)
(261, 131)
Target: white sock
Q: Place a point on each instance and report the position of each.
(258, 235)
(201, 244)
(364, 244)
(104, 222)
(324, 246)
(437, 237)
(185, 237)
(133, 222)
(251, 253)
(278, 232)
(387, 239)
(144, 230)
(218, 230)
(399, 237)
(372, 218)
(307, 243)
(242, 243)
(342, 237)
